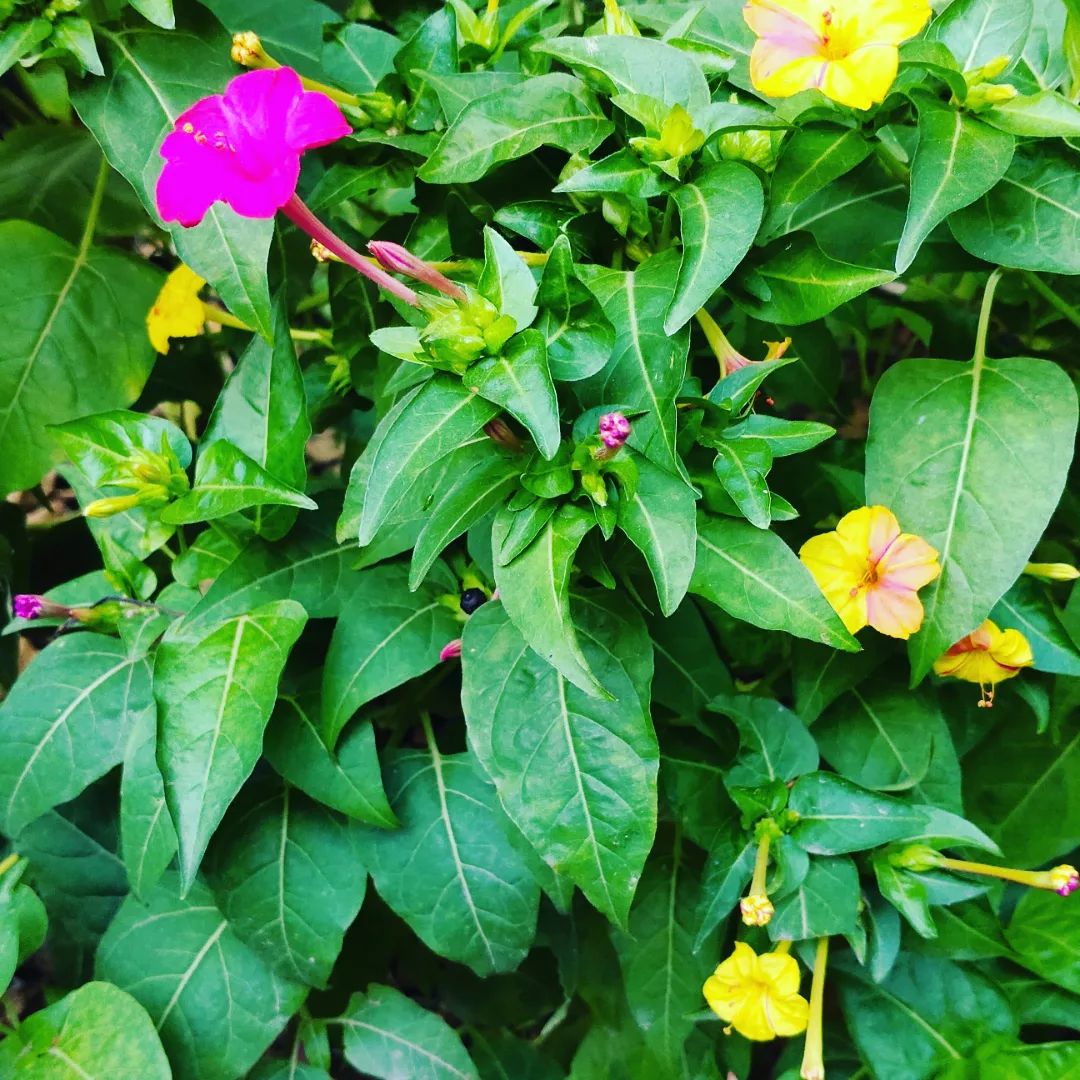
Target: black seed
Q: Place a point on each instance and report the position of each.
(471, 599)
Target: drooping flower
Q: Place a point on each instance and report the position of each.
(871, 572)
(177, 311)
(400, 260)
(727, 356)
(243, 147)
(847, 49)
(758, 995)
(986, 656)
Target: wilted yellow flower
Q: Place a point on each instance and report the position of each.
(871, 572)
(177, 311)
(847, 49)
(758, 995)
(986, 656)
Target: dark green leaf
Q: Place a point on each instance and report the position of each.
(356, 57)
(773, 742)
(826, 903)
(741, 466)
(978, 31)
(1027, 608)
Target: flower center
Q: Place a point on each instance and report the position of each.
(836, 38)
(217, 141)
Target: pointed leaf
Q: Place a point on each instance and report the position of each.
(1027, 608)
(449, 871)
(507, 281)
(773, 742)
(534, 589)
(215, 691)
(979, 483)
(752, 574)
(594, 760)
(825, 903)
(720, 212)
(216, 1005)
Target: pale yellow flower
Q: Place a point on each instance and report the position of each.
(847, 49)
(758, 995)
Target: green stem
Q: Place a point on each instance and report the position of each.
(761, 866)
(93, 211)
(1061, 306)
(984, 317)
(8, 863)
(665, 226)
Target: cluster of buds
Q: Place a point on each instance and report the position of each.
(754, 146)
(154, 480)
(981, 93)
(670, 142)
(1063, 879)
(459, 332)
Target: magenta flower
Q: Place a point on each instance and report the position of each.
(243, 147)
(614, 430)
(27, 606)
(451, 650)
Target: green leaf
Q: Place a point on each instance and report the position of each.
(17, 39)
(66, 722)
(434, 47)
(925, 1015)
(754, 576)
(647, 365)
(720, 212)
(798, 283)
(1027, 607)
(94, 1033)
(470, 497)
(507, 281)
(876, 736)
(215, 691)
(821, 675)
(1043, 931)
(262, 411)
(826, 903)
(151, 77)
(423, 428)
(389, 1036)
(449, 871)
(689, 673)
(1044, 115)
(519, 380)
(159, 12)
(635, 65)
(215, 1003)
(57, 323)
(811, 159)
(660, 520)
(147, 835)
(455, 91)
(773, 742)
(534, 588)
(287, 874)
(978, 31)
(227, 481)
(547, 110)
(784, 437)
(579, 337)
(504, 1057)
(727, 874)
(623, 173)
(742, 465)
(1030, 219)
(292, 34)
(348, 779)
(385, 635)
(837, 816)
(662, 974)
(356, 56)
(959, 159)
(978, 482)
(594, 760)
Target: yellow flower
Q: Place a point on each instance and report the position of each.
(847, 49)
(177, 311)
(1052, 571)
(758, 995)
(871, 572)
(986, 656)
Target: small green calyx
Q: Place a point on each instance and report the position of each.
(461, 331)
(755, 147)
(668, 149)
(153, 479)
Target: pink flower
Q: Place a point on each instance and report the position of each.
(451, 650)
(27, 606)
(243, 147)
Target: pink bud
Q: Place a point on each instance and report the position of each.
(27, 606)
(400, 260)
(451, 650)
(614, 430)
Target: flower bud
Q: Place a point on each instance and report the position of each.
(614, 430)
(1064, 879)
(116, 504)
(1052, 571)
(984, 95)
(756, 910)
(451, 650)
(499, 431)
(618, 22)
(400, 260)
(916, 857)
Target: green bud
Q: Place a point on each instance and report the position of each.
(618, 22)
(594, 486)
(990, 70)
(382, 110)
(986, 95)
(499, 333)
(760, 148)
(916, 857)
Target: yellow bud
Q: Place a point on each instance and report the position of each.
(988, 71)
(1052, 571)
(117, 504)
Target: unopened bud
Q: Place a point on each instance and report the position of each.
(499, 431)
(116, 504)
(618, 22)
(614, 430)
(1064, 879)
(1052, 571)
(399, 260)
(451, 650)
(247, 50)
(984, 95)
(916, 857)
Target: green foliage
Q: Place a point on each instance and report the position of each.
(417, 690)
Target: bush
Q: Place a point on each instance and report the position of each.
(607, 614)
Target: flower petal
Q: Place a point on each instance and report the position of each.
(314, 121)
(909, 562)
(862, 78)
(780, 71)
(1012, 650)
(750, 1019)
(839, 574)
(187, 189)
(781, 970)
(889, 22)
(793, 21)
(263, 196)
(895, 612)
(787, 1015)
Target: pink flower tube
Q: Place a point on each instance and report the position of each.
(243, 148)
